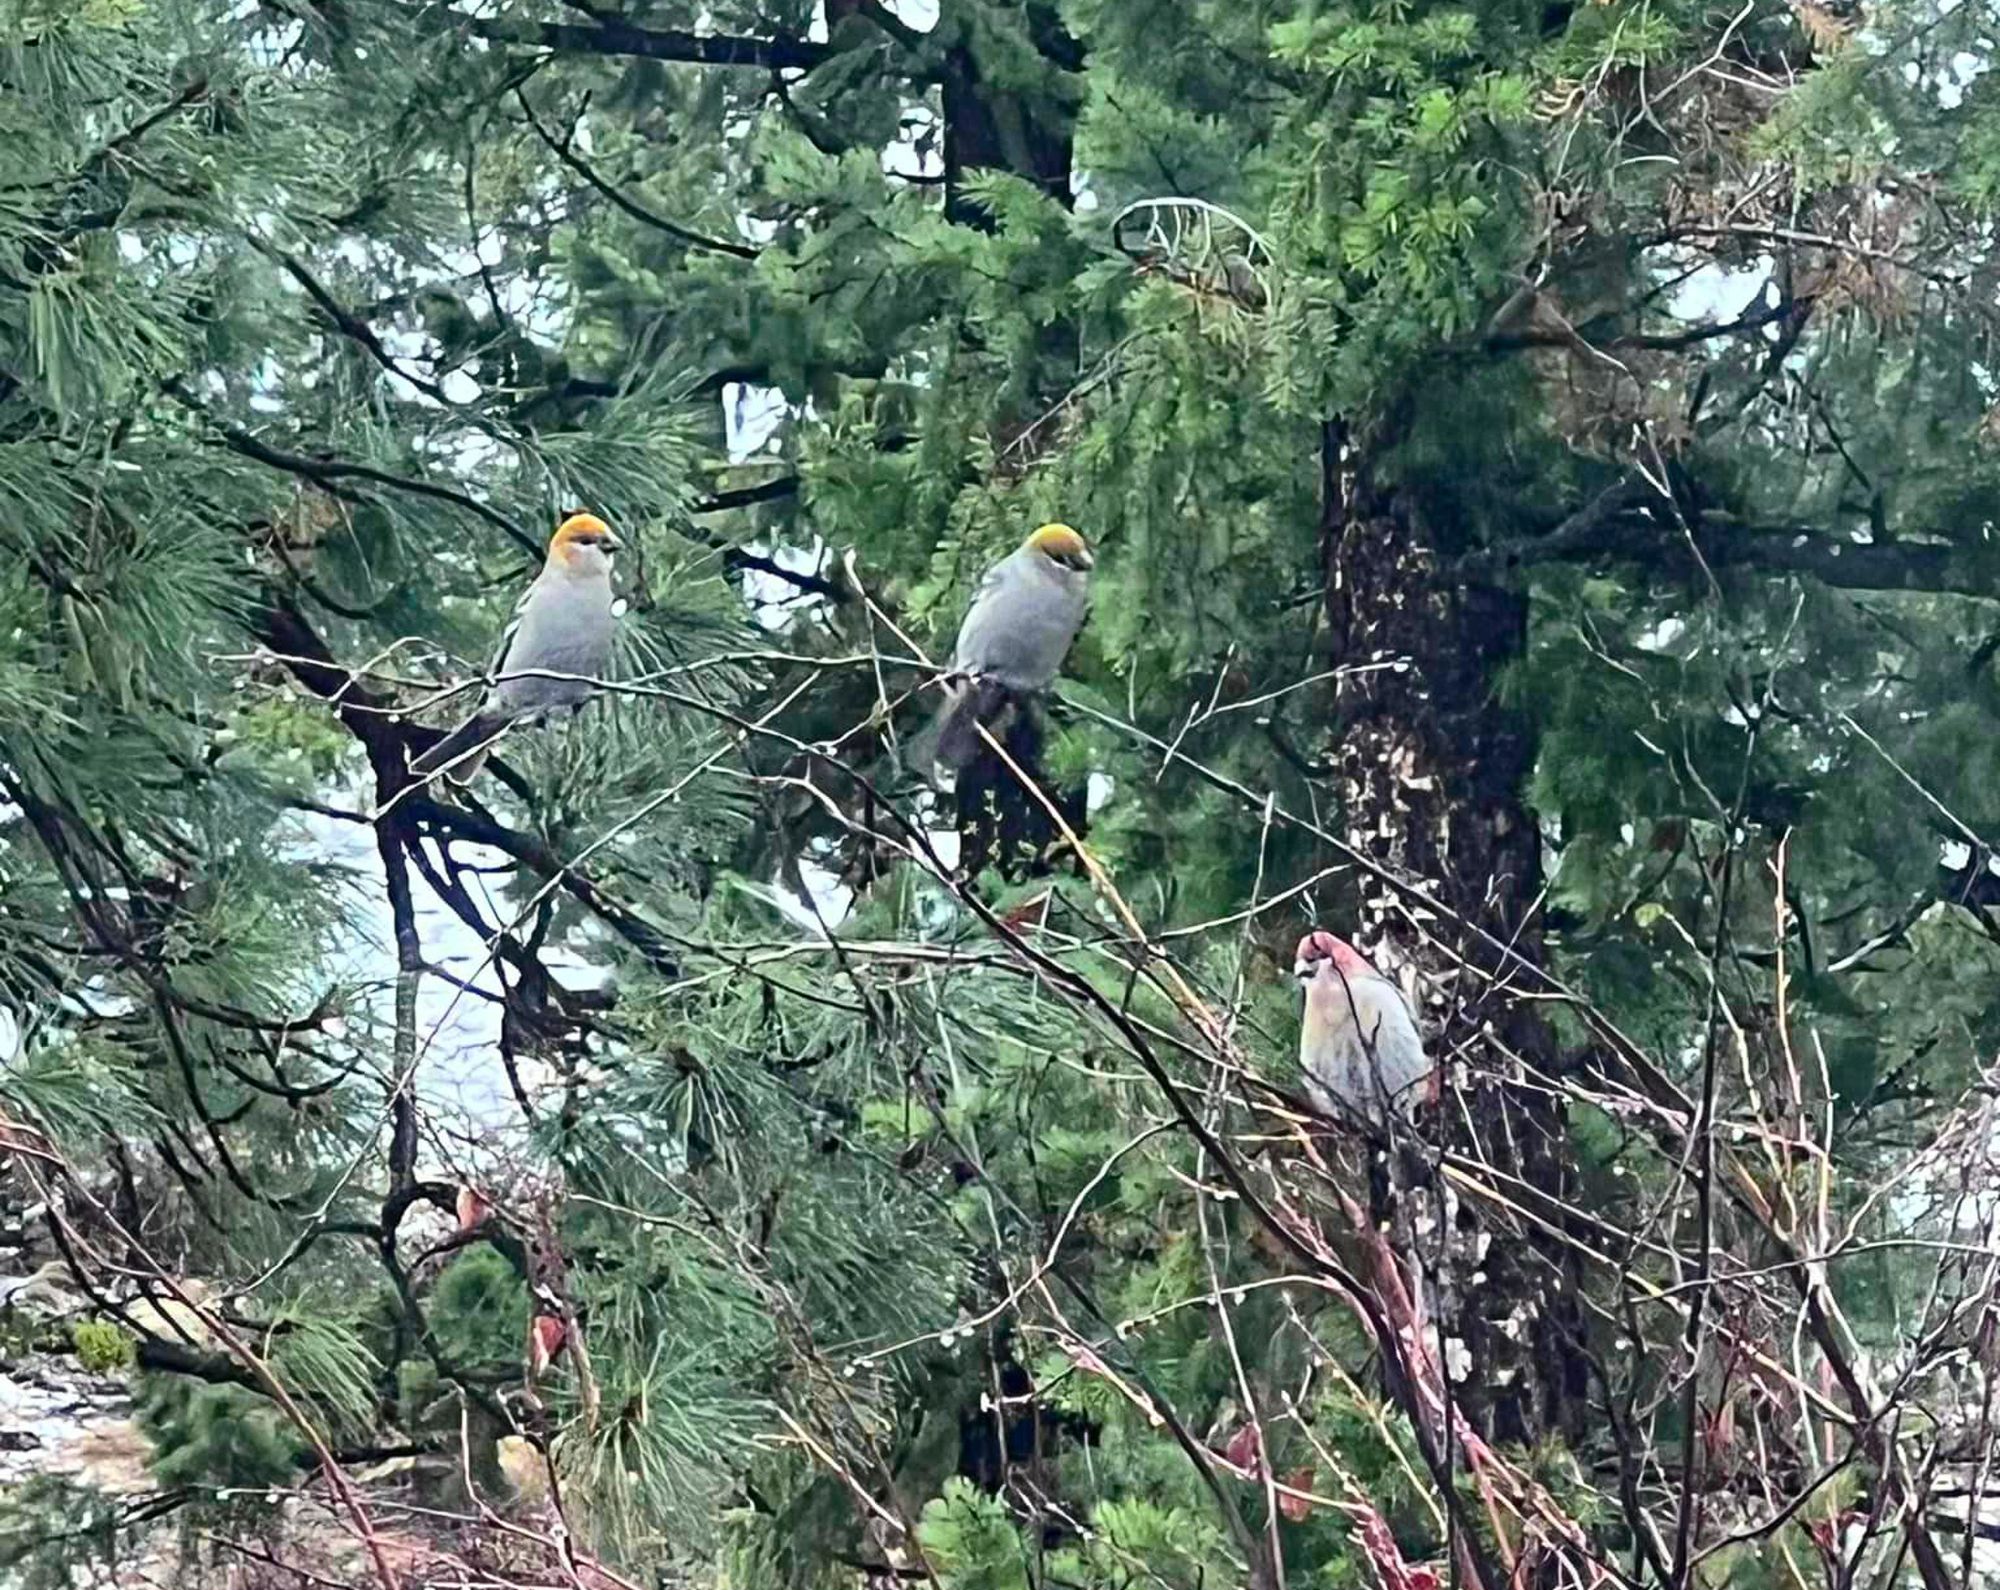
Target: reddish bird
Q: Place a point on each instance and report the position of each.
(1358, 1042)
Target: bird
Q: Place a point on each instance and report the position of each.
(1014, 638)
(562, 625)
(1359, 1048)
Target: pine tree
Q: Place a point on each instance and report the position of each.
(1541, 466)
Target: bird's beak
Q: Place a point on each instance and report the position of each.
(1084, 560)
(612, 543)
(1303, 970)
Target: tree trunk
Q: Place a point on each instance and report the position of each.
(989, 128)
(1430, 770)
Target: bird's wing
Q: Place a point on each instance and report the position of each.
(1396, 1047)
(979, 609)
(498, 665)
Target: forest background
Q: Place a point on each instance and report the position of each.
(1544, 466)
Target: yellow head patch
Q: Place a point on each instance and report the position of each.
(1062, 544)
(582, 530)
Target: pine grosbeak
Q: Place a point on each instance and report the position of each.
(1014, 638)
(1358, 1042)
(562, 626)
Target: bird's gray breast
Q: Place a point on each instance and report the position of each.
(566, 628)
(1020, 625)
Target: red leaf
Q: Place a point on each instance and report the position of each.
(1296, 1507)
(473, 1210)
(1026, 917)
(1243, 1449)
(545, 1341)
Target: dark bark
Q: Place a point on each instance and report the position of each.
(1002, 824)
(1430, 771)
(986, 128)
(1631, 523)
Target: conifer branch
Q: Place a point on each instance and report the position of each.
(614, 37)
(564, 150)
(327, 472)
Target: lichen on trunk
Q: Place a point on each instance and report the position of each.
(1430, 770)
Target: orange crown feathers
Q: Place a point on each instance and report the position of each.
(584, 527)
(1060, 542)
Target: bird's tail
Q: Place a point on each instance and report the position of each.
(461, 753)
(977, 702)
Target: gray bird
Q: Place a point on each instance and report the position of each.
(563, 625)
(1014, 638)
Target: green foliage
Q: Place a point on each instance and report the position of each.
(223, 1439)
(101, 1347)
(73, 1089)
(321, 1356)
(971, 1542)
(312, 320)
(479, 1310)
(1172, 1543)
(52, 1528)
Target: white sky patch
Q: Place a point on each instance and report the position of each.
(460, 1073)
(1954, 855)
(268, 48)
(776, 602)
(751, 416)
(1662, 635)
(833, 898)
(10, 1036)
(264, 396)
(401, 342)
(1721, 292)
(541, 314)
(919, 14)
(902, 156)
(1098, 790)
(475, 454)
(1959, 74)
